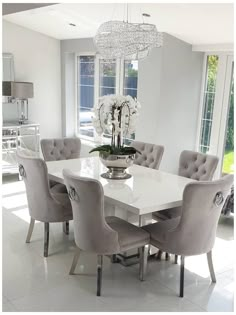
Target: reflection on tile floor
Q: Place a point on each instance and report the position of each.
(34, 283)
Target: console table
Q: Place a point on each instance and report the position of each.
(18, 136)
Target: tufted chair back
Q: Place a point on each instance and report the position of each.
(197, 165)
(60, 149)
(43, 205)
(92, 233)
(151, 154)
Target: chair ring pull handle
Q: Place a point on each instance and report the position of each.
(219, 199)
(73, 194)
(22, 170)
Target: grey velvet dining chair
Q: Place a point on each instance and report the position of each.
(60, 149)
(151, 154)
(195, 165)
(44, 204)
(193, 233)
(99, 235)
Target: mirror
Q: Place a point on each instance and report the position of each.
(8, 67)
(9, 111)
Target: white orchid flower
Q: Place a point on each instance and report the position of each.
(106, 113)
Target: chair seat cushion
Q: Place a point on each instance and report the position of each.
(159, 231)
(52, 183)
(58, 188)
(167, 214)
(64, 200)
(129, 235)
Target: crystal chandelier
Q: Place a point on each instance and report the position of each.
(120, 39)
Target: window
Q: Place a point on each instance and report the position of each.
(98, 77)
(217, 126)
(208, 102)
(86, 71)
(228, 160)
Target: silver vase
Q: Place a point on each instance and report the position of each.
(116, 164)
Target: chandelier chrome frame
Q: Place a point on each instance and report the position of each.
(120, 39)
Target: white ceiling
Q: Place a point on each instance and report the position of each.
(197, 24)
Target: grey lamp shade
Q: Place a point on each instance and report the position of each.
(15, 89)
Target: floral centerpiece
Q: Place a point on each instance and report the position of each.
(116, 115)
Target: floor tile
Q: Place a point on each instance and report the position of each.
(9, 307)
(34, 283)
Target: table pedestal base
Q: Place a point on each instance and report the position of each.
(130, 257)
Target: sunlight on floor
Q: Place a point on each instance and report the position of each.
(23, 214)
(14, 201)
(224, 247)
(11, 188)
(230, 287)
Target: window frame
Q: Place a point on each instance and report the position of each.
(77, 89)
(120, 68)
(220, 111)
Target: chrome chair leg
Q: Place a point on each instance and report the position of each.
(75, 260)
(46, 238)
(66, 227)
(143, 256)
(99, 274)
(210, 265)
(113, 259)
(181, 291)
(30, 230)
(176, 259)
(159, 254)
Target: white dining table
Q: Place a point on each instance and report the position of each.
(148, 190)
(133, 199)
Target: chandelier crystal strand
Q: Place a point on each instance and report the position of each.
(117, 39)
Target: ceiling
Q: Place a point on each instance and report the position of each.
(9, 8)
(197, 24)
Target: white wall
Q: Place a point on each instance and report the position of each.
(169, 85)
(169, 91)
(37, 60)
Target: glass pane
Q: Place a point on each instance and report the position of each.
(130, 78)
(107, 74)
(130, 92)
(130, 86)
(208, 102)
(87, 59)
(86, 66)
(86, 97)
(107, 91)
(228, 162)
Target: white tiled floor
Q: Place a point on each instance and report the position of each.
(34, 283)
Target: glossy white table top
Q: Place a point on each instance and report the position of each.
(146, 191)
